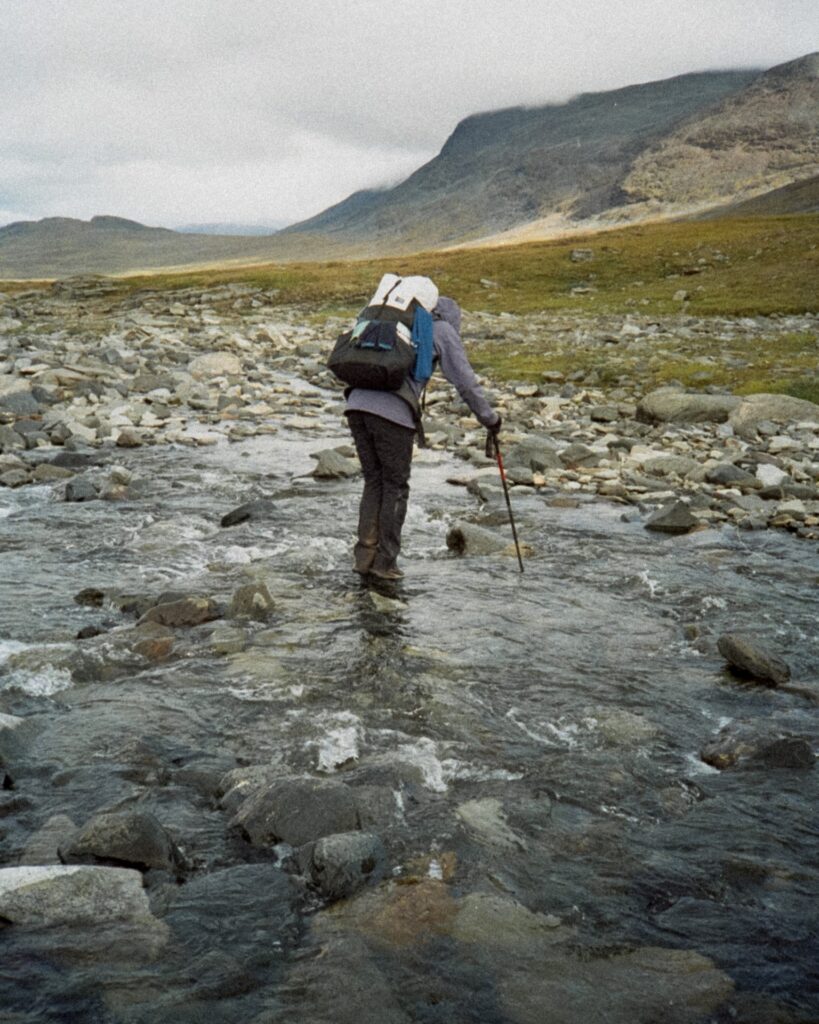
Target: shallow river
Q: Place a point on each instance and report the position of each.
(564, 708)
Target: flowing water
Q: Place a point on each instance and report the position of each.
(540, 734)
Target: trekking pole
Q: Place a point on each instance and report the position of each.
(492, 442)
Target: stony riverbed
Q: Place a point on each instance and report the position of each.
(240, 784)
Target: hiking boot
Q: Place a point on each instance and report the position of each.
(388, 574)
(363, 563)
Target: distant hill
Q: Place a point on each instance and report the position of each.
(727, 141)
(58, 246)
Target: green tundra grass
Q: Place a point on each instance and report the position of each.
(730, 266)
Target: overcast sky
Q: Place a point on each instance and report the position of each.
(258, 111)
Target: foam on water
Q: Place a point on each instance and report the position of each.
(652, 585)
(42, 683)
(340, 745)
(9, 647)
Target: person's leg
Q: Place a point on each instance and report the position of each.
(393, 445)
(369, 507)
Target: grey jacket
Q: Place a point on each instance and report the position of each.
(450, 356)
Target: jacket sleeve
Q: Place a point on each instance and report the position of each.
(456, 367)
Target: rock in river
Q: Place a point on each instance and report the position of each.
(746, 656)
(60, 894)
(340, 865)
(468, 539)
(297, 811)
(132, 838)
(259, 509)
(675, 517)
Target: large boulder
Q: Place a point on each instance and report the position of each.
(340, 865)
(132, 838)
(297, 811)
(754, 409)
(71, 894)
(670, 405)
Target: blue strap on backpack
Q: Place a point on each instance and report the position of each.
(422, 340)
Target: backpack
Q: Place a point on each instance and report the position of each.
(392, 337)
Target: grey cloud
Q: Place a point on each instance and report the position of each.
(306, 100)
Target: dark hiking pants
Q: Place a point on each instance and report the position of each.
(385, 452)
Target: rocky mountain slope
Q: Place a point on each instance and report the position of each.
(763, 138)
(57, 246)
(510, 167)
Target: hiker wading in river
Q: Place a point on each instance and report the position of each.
(383, 426)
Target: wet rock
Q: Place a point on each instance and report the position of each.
(90, 597)
(485, 819)
(787, 752)
(486, 919)
(154, 648)
(43, 846)
(402, 915)
(226, 639)
(297, 811)
(252, 601)
(757, 409)
(385, 605)
(745, 742)
(340, 865)
(332, 465)
(641, 987)
(131, 838)
(669, 405)
(468, 539)
(622, 728)
(71, 894)
(745, 656)
(189, 611)
(262, 508)
(673, 518)
(80, 489)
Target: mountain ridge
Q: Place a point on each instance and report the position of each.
(675, 147)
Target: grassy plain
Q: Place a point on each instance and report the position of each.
(730, 266)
